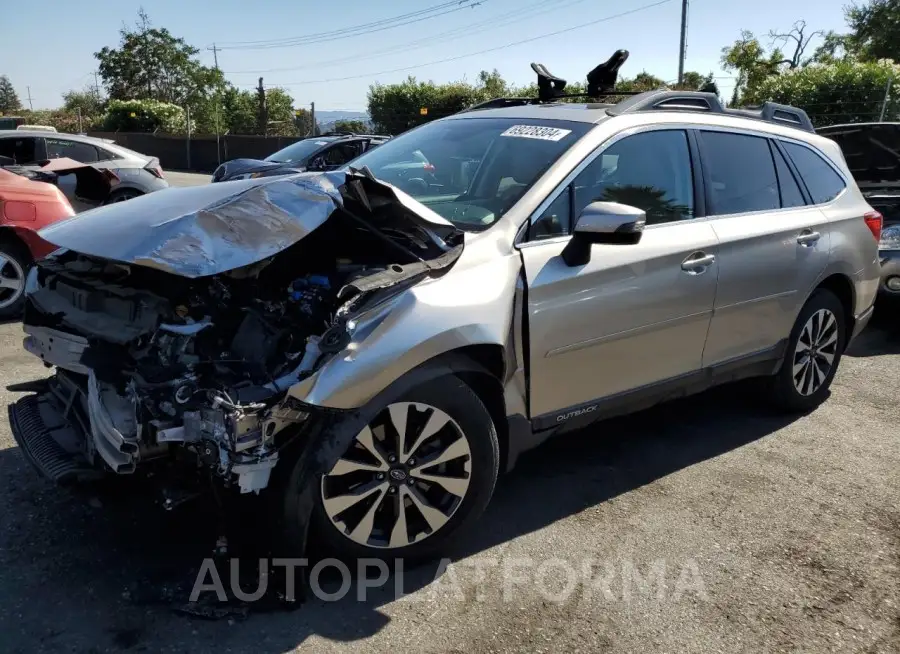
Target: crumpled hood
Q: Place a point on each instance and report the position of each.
(212, 229)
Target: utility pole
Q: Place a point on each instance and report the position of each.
(887, 96)
(312, 115)
(262, 116)
(682, 49)
(96, 86)
(215, 52)
(30, 106)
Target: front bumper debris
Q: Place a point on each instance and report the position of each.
(47, 441)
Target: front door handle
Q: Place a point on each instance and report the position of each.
(697, 263)
(808, 238)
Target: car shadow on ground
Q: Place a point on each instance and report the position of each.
(119, 567)
(882, 336)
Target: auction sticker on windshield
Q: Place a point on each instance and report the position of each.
(537, 132)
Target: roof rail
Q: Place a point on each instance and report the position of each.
(698, 101)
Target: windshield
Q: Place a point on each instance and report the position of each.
(472, 170)
(299, 151)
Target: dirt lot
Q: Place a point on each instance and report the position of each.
(767, 534)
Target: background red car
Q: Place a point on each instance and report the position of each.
(25, 207)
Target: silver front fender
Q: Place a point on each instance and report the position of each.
(470, 305)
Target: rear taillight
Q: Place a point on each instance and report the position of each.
(156, 171)
(874, 221)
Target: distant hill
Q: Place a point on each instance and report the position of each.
(331, 116)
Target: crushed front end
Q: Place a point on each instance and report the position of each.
(161, 362)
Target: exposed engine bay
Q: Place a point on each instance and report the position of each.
(151, 364)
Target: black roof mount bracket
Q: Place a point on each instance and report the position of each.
(602, 80)
(549, 86)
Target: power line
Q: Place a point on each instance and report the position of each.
(443, 5)
(472, 54)
(360, 30)
(472, 28)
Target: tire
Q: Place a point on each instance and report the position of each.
(15, 262)
(810, 388)
(446, 396)
(123, 195)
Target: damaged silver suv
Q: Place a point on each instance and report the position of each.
(368, 356)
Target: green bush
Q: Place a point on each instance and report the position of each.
(841, 92)
(144, 116)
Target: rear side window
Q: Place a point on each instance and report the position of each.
(741, 173)
(61, 148)
(791, 196)
(107, 155)
(821, 180)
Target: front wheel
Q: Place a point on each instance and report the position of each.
(15, 262)
(813, 354)
(413, 479)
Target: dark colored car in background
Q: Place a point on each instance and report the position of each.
(317, 153)
(872, 151)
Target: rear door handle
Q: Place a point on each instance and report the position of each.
(697, 263)
(808, 238)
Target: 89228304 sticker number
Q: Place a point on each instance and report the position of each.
(537, 132)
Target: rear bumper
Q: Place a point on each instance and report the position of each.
(890, 267)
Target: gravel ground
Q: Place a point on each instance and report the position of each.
(703, 525)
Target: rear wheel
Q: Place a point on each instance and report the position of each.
(15, 262)
(123, 195)
(413, 479)
(813, 354)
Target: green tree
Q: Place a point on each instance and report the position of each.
(395, 108)
(354, 126)
(280, 111)
(694, 81)
(840, 92)
(87, 101)
(874, 30)
(9, 101)
(152, 64)
(303, 122)
(239, 111)
(747, 57)
(492, 85)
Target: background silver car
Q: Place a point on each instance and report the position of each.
(137, 174)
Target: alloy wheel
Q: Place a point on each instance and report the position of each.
(401, 480)
(123, 196)
(12, 280)
(815, 352)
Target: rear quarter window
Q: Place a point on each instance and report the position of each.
(822, 182)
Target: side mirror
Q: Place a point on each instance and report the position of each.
(603, 222)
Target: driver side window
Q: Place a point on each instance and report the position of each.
(651, 171)
(341, 154)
